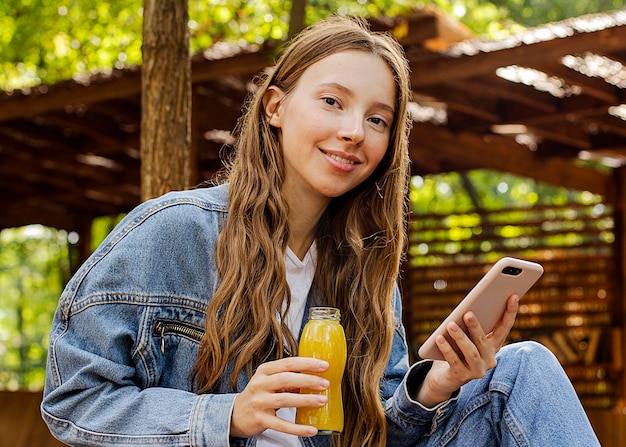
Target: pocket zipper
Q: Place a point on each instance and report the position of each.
(171, 327)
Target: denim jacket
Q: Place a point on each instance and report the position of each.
(126, 331)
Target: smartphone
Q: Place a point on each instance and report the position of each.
(487, 300)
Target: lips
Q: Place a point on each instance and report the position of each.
(339, 158)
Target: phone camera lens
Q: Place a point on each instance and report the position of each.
(513, 271)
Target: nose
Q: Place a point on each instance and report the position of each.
(352, 129)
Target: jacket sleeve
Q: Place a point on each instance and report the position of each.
(408, 420)
(106, 383)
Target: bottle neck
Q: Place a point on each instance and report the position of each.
(324, 313)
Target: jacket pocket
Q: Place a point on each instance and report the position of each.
(163, 327)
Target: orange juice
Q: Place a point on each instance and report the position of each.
(323, 338)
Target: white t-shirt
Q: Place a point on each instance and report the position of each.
(299, 277)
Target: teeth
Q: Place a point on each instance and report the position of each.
(341, 159)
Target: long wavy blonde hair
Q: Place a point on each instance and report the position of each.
(360, 241)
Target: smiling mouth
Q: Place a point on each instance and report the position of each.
(339, 159)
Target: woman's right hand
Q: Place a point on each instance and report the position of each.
(276, 385)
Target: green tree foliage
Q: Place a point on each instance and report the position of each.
(34, 266)
(477, 212)
(484, 18)
(486, 190)
(46, 41)
(537, 12)
(101, 227)
(498, 18)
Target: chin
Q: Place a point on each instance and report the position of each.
(334, 190)
(332, 193)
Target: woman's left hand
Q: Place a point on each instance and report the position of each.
(478, 355)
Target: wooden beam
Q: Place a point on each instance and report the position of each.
(63, 162)
(504, 154)
(594, 87)
(106, 137)
(449, 66)
(119, 85)
(471, 103)
(245, 65)
(573, 138)
(124, 84)
(493, 86)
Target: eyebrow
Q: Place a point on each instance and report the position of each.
(349, 92)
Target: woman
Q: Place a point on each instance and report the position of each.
(182, 327)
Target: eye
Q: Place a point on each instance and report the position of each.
(328, 100)
(378, 121)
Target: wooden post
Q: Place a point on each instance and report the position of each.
(165, 147)
(619, 203)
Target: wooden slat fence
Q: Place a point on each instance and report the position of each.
(574, 309)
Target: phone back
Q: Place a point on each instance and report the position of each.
(487, 299)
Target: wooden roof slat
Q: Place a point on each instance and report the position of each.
(449, 67)
(469, 102)
(565, 133)
(502, 153)
(494, 86)
(120, 85)
(55, 162)
(102, 133)
(595, 87)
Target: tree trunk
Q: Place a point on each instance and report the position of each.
(296, 18)
(167, 162)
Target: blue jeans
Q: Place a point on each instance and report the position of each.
(527, 400)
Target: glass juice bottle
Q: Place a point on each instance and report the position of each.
(323, 338)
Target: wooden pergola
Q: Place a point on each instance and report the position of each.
(547, 104)
(70, 152)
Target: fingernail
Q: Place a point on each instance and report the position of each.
(324, 383)
(322, 399)
(454, 327)
(323, 364)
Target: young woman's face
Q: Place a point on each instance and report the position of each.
(335, 125)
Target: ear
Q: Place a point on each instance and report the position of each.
(272, 100)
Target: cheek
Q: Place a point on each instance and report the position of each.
(379, 150)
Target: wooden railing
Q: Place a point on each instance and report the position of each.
(21, 424)
(20, 421)
(610, 426)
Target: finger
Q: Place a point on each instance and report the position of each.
(475, 330)
(478, 351)
(293, 383)
(504, 326)
(297, 400)
(293, 364)
(284, 426)
(450, 353)
(468, 352)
